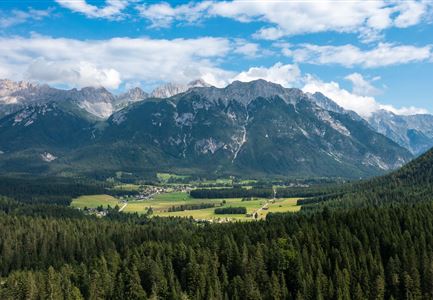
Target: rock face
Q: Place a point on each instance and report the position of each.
(17, 95)
(171, 89)
(131, 96)
(254, 129)
(414, 132)
(95, 100)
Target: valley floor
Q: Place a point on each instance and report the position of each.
(163, 205)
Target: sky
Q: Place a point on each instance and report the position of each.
(365, 55)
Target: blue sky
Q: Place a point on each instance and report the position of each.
(365, 55)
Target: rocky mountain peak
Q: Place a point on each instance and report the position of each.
(9, 86)
(245, 92)
(132, 95)
(198, 83)
(326, 103)
(171, 89)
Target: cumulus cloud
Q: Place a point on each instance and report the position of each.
(362, 86)
(246, 48)
(270, 33)
(411, 12)
(105, 62)
(367, 18)
(365, 106)
(286, 75)
(112, 8)
(79, 74)
(384, 54)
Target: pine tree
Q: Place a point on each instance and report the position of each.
(54, 289)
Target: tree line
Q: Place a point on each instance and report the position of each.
(230, 210)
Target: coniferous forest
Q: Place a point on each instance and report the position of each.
(367, 253)
(373, 241)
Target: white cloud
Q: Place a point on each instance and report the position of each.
(299, 17)
(74, 74)
(16, 17)
(112, 8)
(247, 49)
(163, 14)
(384, 54)
(411, 13)
(363, 105)
(405, 111)
(270, 33)
(362, 86)
(286, 75)
(94, 62)
(367, 18)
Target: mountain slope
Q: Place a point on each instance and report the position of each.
(408, 185)
(249, 128)
(414, 132)
(42, 134)
(50, 125)
(17, 95)
(246, 129)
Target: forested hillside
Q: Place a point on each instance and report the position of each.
(410, 184)
(361, 254)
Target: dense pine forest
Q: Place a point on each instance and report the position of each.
(370, 253)
(371, 240)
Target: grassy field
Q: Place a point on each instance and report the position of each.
(172, 197)
(127, 187)
(284, 205)
(93, 201)
(164, 177)
(162, 202)
(222, 181)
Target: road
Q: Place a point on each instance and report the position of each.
(124, 205)
(266, 204)
(260, 209)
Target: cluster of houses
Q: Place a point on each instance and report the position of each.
(147, 192)
(98, 211)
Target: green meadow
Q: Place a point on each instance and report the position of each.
(162, 203)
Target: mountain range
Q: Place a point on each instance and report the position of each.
(413, 132)
(95, 100)
(247, 129)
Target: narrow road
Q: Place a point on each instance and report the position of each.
(124, 205)
(260, 209)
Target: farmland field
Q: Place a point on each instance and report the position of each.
(161, 204)
(127, 187)
(93, 201)
(164, 177)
